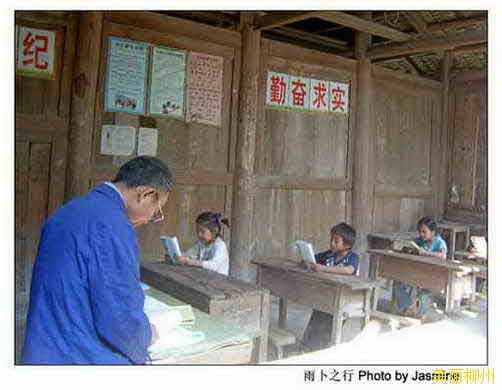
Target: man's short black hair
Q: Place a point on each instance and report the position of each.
(429, 222)
(145, 171)
(347, 232)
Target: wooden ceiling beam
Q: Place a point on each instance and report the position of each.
(457, 23)
(431, 44)
(413, 66)
(364, 25)
(479, 47)
(277, 19)
(416, 21)
(314, 38)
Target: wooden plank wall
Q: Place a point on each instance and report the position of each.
(302, 163)
(468, 153)
(42, 121)
(201, 156)
(406, 114)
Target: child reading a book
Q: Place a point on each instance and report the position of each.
(410, 300)
(339, 259)
(210, 252)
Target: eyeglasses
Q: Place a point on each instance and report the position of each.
(158, 216)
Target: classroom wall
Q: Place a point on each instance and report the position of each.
(201, 156)
(302, 160)
(467, 198)
(406, 113)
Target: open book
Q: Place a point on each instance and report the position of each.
(400, 245)
(172, 247)
(305, 250)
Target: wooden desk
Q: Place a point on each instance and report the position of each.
(224, 343)
(319, 290)
(235, 301)
(453, 228)
(431, 273)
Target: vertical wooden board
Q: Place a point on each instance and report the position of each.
(21, 203)
(481, 199)
(38, 198)
(387, 211)
(294, 220)
(464, 148)
(433, 205)
(276, 145)
(411, 210)
(380, 118)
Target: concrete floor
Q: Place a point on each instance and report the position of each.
(456, 340)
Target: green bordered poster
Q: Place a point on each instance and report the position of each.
(126, 76)
(167, 82)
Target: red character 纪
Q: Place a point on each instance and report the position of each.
(320, 92)
(278, 90)
(299, 93)
(32, 49)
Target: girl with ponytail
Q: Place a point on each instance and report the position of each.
(210, 252)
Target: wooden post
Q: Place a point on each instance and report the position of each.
(83, 102)
(244, 181)
(364, 152)
(445, 144)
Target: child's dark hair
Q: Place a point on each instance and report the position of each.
(429, 222)
(212, 221)
(347, 232)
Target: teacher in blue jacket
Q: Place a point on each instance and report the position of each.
(86, 301)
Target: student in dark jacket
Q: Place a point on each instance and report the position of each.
(339, 259)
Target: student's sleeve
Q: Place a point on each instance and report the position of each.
(116, 296)
(219, 259)
(321, 257)
(353, 260)
(192, 252)
(442, 247)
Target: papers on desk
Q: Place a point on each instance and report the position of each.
(305, 250)
(154, 307)
(168, 321)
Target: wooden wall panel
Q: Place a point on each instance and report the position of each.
(407, 122)
(301, 166)
(468, 161)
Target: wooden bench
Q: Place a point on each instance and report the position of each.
(280, 338)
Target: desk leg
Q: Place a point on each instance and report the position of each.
(264, 325)
(336, 330)
(450, 301)
(453, 243)
(283, 312)
(373, 273)
(366, 307)
(467, 238)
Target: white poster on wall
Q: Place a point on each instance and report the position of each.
(118, 140)
(147, 141)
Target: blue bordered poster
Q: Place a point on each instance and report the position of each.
(126, 76)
